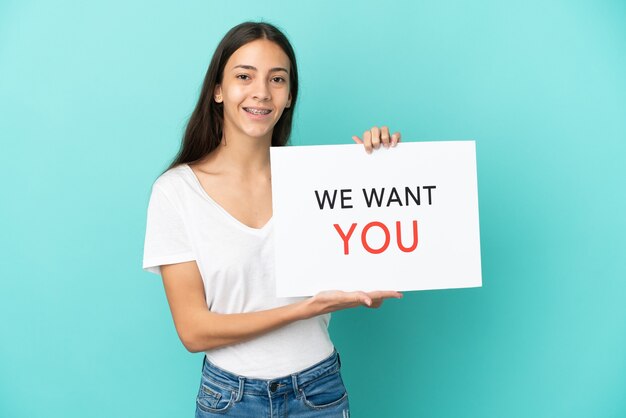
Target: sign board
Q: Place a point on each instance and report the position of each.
(403, 218)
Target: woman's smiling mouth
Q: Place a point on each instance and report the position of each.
(257, 111)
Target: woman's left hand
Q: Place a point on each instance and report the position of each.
(375, 137)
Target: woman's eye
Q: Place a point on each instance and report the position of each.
(278, 80)
(243, 76)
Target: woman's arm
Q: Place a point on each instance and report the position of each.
(200, 329)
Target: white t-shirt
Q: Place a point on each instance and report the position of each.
(237, 267)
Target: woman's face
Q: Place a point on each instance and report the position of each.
(254, 90)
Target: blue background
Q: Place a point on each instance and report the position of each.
(94, 97)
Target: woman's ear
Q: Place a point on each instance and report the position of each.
(217, 94)
(288, 102)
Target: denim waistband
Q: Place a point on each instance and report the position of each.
(270, 387)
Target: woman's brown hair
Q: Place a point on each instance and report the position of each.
(205, 127)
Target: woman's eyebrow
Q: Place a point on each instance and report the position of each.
(250, 67)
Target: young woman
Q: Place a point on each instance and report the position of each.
(209, 235)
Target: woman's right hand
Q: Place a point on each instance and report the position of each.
(335, 300)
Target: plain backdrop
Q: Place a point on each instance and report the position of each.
(94, 97)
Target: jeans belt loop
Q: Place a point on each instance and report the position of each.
(294, 384)
(240, 390)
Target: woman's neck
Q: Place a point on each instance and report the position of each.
(240, 155)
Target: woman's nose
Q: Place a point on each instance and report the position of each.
(261, 91)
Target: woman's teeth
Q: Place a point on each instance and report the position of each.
(257, 111)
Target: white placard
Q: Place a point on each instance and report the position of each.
(338, 212)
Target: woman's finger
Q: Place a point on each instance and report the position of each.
(395, 138)
(384, 294)
(384, 136)
(357, 298)
(357, 139)
(367, 141)
(375, 137)
(365, 299)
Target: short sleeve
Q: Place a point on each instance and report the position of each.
(166, 241)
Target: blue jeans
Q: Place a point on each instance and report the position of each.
(314, 392)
